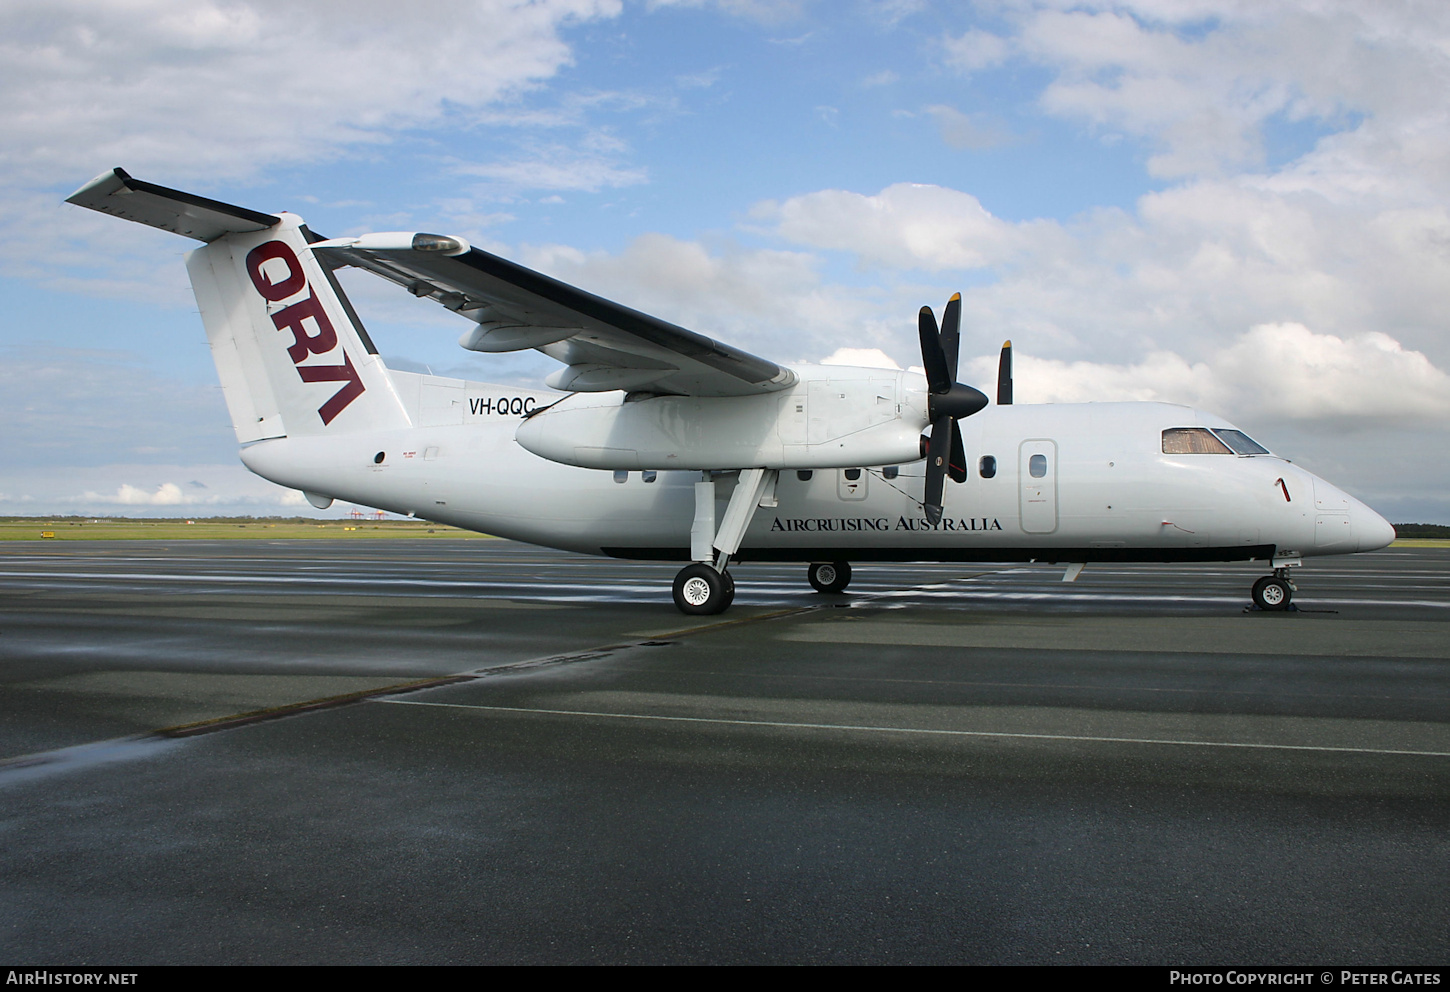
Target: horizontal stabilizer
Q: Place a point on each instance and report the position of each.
(116, 193)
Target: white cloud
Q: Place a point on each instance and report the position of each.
(166, 494)
(870, 358)
(558, 167)
(1202, 82)
(761, 300)
(206, 89)
(975, 50)
(132, 489)
(1272, 373)
(906, 225)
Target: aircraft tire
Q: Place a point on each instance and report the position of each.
(1271, 593)
(831, 576)
(701, 591)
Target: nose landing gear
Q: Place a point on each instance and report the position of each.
(1273, 592)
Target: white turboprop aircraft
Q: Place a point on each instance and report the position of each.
(670, 446)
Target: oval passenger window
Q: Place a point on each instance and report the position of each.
(1037, 465)
(987, 467)
(852, 474)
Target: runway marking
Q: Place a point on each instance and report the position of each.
(912, 730)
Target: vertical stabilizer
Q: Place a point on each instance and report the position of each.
(290, 359)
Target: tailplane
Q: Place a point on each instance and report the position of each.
(292, 355)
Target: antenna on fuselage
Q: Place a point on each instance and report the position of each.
(1004, 375)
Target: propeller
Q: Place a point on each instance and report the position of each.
(947, 402)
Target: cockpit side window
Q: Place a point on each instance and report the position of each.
(1192, 441)
(1240, 442)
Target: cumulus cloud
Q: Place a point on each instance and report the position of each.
(1201, 82)
(1272, 373)
(907, 225)
(200, 91)
(871, 358)
(763, 300)
(213, 89)
(166, 494)
(975, 50)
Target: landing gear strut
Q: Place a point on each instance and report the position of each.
(1273, 592)
(705, 586)
(832, 576)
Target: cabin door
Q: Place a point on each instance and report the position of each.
(1037, 485)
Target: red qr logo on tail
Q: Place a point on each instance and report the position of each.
(320, 339)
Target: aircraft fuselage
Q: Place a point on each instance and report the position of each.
(1103, 490)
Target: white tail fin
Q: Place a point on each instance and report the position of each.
(292, 357)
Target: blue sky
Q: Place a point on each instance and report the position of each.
(1239, 206)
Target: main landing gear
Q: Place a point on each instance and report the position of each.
(1273, 592)
(702, 591)
(705, 587)
(830, 576)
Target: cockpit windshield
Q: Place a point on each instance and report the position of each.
(1241, 442)
(1192, 441)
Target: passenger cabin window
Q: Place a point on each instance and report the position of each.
(804, 474)
(649, 475)
(620, 475)
(1192, 441)
(1037, 466)
(987, 467)
(890, 471)
(1241, 443)
(853, 474)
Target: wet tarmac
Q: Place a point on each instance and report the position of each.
(481, 752)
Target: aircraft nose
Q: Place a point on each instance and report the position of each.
(1372, 530)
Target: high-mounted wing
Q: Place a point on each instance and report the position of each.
(603, 344)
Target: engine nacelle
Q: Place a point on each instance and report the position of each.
(833, 417)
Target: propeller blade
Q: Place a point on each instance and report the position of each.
(957, 463)
(937, 455)
(1004, 375)
(951, 332)
(939, 377)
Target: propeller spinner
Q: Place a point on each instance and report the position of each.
(947, 402)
